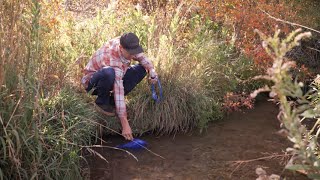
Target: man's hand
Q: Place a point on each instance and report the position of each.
(153, 78)
(127, 133)
(126, 129)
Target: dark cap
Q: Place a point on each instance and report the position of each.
(130, 42)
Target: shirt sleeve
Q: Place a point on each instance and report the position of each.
(144, 61)
(119, 93)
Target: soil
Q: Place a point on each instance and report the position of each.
(241, 136)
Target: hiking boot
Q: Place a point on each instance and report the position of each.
(105, 109)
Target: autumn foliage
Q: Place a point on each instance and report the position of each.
(242, 17)
(245, 16)
(235, 102)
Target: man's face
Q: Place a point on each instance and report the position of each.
(126, 54)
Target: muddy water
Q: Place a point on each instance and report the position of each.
(240, 136)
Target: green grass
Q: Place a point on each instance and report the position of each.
(44, 140)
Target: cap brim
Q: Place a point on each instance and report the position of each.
(135, 51)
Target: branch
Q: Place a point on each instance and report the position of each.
(287, 22)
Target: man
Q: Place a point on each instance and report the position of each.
(111, 77)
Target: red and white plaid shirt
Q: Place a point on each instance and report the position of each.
(109, 55)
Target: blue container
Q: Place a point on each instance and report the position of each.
(134, 144)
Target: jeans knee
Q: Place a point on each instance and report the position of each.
(108, 73)
(141, 70)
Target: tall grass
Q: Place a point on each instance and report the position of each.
(45, 143)
(41, 126)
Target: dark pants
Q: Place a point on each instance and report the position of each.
(102, 81)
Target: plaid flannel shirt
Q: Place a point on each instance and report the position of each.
(109, 55)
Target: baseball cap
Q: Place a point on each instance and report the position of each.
(130, 42)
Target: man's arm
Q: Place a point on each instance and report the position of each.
(120, 104)
(147, 64)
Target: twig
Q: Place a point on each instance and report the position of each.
(100, 146)
(288, 22)
(98, 154)
(313, 49)
(240, 162)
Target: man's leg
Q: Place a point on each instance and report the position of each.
(133, 76)
(103, 81)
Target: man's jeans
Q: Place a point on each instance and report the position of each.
(102, 81)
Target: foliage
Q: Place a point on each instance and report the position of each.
(307, 54)
(242, 17)
(308, 11)
(42, 139)
(245, 16)
(293, 112)
(41, 126)
(234, 102)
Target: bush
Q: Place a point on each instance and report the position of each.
(300, 107)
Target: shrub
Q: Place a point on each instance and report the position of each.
(292, 112)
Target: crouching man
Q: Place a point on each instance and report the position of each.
(111, 77)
